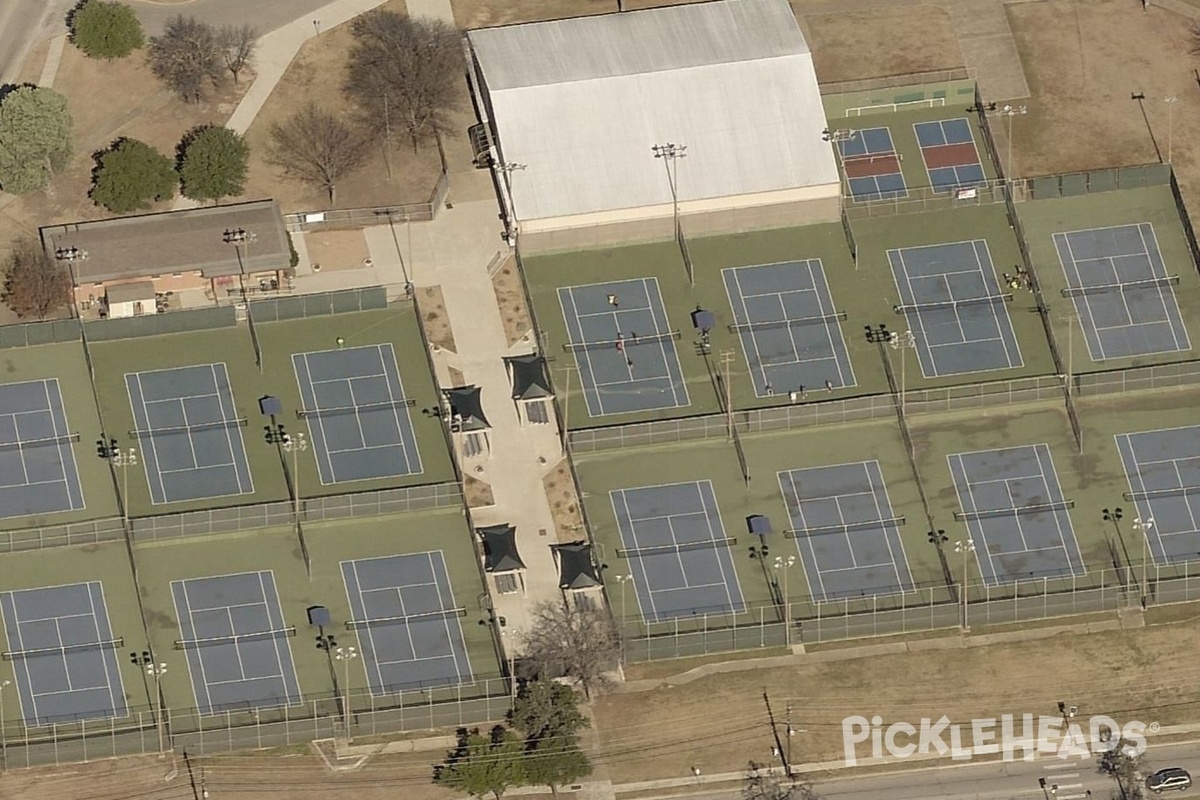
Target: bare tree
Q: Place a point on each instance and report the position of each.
(1125, 765)
(187, 52)
(34, 284)
(1194, 36)
(317, 147)
(238, 43)
(404, 73)
(762, 783)
(566, 640)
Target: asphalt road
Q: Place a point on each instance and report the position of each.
(1014, 781)
(23, 23)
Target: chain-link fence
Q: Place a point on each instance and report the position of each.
(28, 334)
(349, 218)
(930, 78)
(299, 306)
(183, 321)
(383, 501)
(233, 519)
(72, 534)
(924, 609)
(926, 198)
(1074, 184)
(317, 717)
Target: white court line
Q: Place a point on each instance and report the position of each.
(312, 390)
(710, 515)
(912, 299)
(365, 631)
(829, 325)
(885, 511)
(968, 505)
(812, 551)
(644, 579)
(14, 629)
(663, 343)
(1187, 342)
(62, 459)
(228, 415)
(199, 661)
(991, 284)
(569, 293)
(459, 672)
(1055, 514)
(396, 410)
(762, 367)
(1087, 303)
(278, 640)
(102, 637)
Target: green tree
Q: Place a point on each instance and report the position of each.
(132, 175)
(212, 163)
(547, 709)
(35, 138)
(484, 764)
(34, 284)
(107, 30)
(547, 713)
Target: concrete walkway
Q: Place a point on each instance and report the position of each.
(988, 48)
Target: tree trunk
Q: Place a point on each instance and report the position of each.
(332, 190)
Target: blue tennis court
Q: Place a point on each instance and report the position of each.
(954, 306)
(790, 333)
(235, 642)
(1122, 291)
(409, 626)
(950, 155)
(189, 433)
(359, 419)
(872, 165)
(679, 555)
(64, 654)
(1014, 509)
(38, 473)
(1163, 470)
(624, 346)
(847, 533)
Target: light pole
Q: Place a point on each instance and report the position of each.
(155, 670)
(1115, 515)
(295, 443)
(125, 459)
(901, 342)
(346, 655)
(670, 153)
(622, 580)
(966, 547)
(508, 636)
(782, 565)
(3, 738)
(507, 168)
(1144, 526)
(1009, 112)
(1170, 101)
(239, 238)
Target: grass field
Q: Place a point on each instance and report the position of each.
(65, 362)
(279, 340)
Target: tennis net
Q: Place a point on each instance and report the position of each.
(822, 319)
(848, 527)
(1145, 283)
(1154, 494)
(681, 547)
(943, 305)
(1016, 511)
(63, 649)
(50, 441)
(408, 619)
(235, 639)
(386, 405)
(239, 422)
(629, 340)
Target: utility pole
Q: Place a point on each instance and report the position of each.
(670, 153)
(1144, 526)
(788, 744)
(1170, 101)
(1010, 112)
(966, 547)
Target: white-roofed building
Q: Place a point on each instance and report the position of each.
(573, 109)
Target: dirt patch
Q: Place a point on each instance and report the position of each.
(316, 75)
(434, 318)
(246, 776)
(108, 100)
(1083, 60)
(477, 493)
(334, 250)
(564, 503)
(510, 295)
(881, 41)
(718, 720)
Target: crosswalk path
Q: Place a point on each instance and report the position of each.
(1063, 781)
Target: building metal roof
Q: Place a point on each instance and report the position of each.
(191, 240)
(580, 103)
(130, 292)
